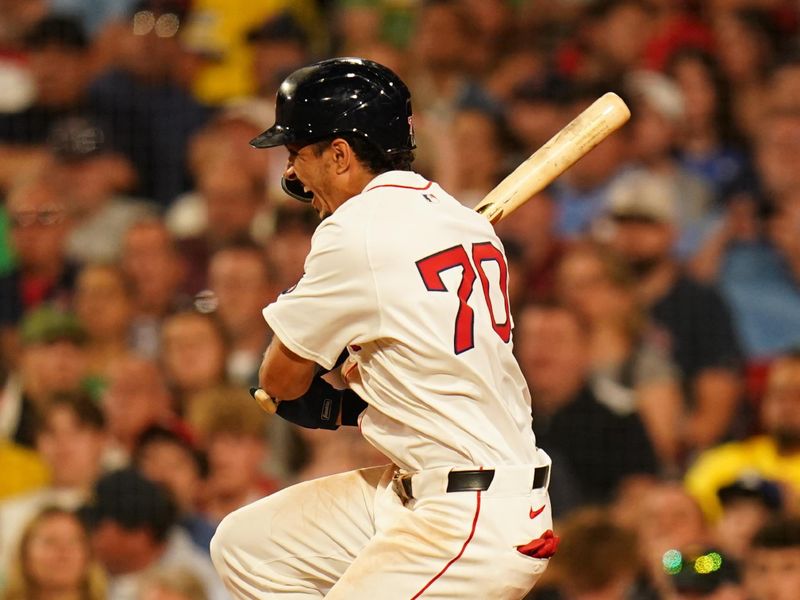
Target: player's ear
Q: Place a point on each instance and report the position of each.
(342, 155)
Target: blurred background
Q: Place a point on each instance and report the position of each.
(655, 286)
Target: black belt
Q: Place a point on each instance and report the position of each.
(473, 481)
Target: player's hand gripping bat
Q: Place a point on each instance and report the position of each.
(602, 118)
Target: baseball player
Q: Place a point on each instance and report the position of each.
(413, 287)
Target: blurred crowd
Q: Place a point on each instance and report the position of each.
(655, 286)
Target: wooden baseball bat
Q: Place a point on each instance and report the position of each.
(602, 118)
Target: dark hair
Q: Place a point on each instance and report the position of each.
(373, 158)
(134, 502)
(723, 117)
(777, 534)
(156, 433)
(63, 31)
(80, 404)
(600, 9)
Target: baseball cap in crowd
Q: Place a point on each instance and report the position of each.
(699, 571)
(658, 91)
(642, 195)
(752, 486)
(58, 31)
(48, 324)
(132, 501)
(76, 138)
(282, 27)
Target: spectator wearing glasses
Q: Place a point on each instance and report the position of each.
(40, 223)
(152, 115)
(59, 62)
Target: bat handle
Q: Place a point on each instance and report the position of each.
(265, 401)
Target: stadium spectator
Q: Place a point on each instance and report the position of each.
(155, 271)
(193, 355)
(668, 519)
(772, 568)
(54, 560)
(536, 109)
(288, 246)
(594, 445)
(597, 559)
(279, 45)
(53, 361)
(774, 455)
(240, 278)
(703, 573)
(747, 504)
(784, 82)
(693, 318)
(612, 36)
(232, 429)
(70, 437)
(657, 115)
(169, 458)
(231, 199)
(225, 139)
(135, 399)
(533, 229)
(747, 41)
(40, 223)
(755, 263)
(709, 144)
(151, 116)
(777, 146)
(59, 61)
(471, 161)
(132, 524)
(440, 50)
(630, 372)
(104, 305)
(92, 177)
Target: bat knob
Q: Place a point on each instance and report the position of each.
(265, 401)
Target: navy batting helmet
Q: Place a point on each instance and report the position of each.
(341, 96)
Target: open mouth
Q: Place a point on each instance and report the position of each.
(295, 188)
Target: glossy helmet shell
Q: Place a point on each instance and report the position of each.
(340, 96)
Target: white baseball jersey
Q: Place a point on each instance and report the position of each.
(415, 285)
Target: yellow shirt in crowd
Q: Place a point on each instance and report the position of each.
(725, 464)
(226, 23)
(21, 470)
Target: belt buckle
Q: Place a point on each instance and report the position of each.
(401, 484)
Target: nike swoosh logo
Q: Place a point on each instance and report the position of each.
(536, 513)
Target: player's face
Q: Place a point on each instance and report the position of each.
(309, 165)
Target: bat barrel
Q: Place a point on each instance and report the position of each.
(602, 118)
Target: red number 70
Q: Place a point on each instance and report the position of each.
(431, 269)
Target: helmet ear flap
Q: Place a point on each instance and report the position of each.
(294, 188)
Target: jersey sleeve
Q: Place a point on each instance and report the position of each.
(334, 304)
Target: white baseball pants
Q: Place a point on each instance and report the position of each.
(350, 536)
